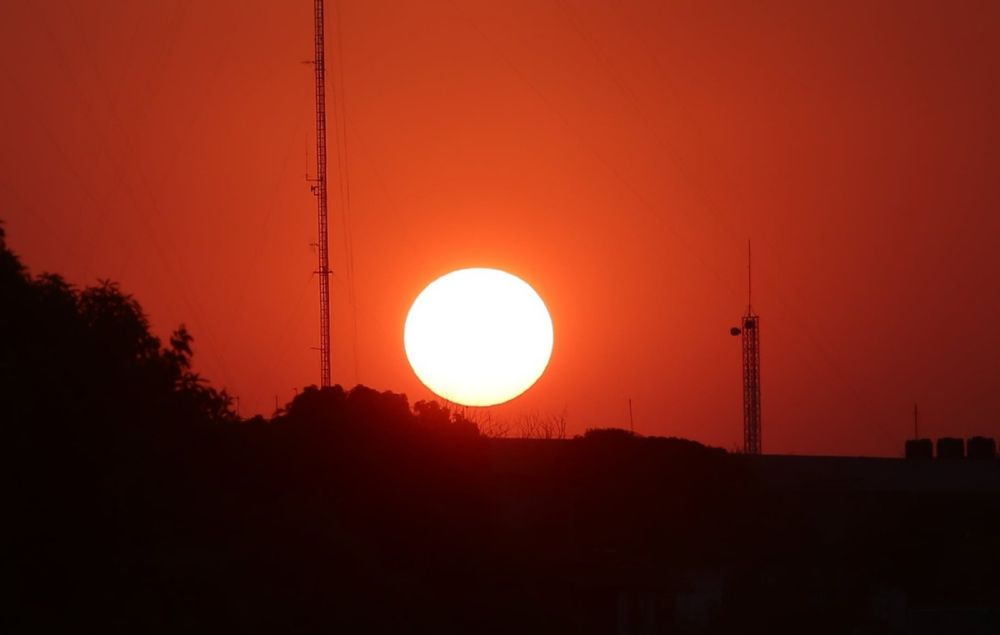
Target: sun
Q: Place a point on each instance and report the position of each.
(478, 337)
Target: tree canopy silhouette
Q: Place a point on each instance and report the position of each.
(70, 356)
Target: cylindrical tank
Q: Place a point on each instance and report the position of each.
(982, 448)
(950, 448)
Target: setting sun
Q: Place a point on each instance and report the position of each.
(478, 337)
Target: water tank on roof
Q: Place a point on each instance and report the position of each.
(982, 448)
(950, 448)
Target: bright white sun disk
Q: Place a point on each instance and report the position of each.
(478, 337)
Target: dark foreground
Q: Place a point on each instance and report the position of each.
(138, 502)
(298, 528)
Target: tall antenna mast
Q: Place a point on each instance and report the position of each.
(750, 331)
(320, 190)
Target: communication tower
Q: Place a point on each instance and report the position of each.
(319, 188)
(749, 330)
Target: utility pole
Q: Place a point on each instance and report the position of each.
(631, 422)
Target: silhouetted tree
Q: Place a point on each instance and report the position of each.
(74, 357)
(432, 413)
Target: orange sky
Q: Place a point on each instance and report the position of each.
(615, 155)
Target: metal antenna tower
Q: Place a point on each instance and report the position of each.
(750, 331)
(319, 188)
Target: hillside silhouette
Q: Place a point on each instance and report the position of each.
(142, 503)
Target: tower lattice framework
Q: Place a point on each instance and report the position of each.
(319, 188)
(751, 383)
(749, 332)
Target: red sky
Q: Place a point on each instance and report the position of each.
(615, 155)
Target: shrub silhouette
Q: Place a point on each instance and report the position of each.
(609, 435)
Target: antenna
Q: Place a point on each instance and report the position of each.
(631, 423)
(320, 190)
(750, 331)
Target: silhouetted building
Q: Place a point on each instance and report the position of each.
(919, 449)
(950, 448)
(982, 448)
